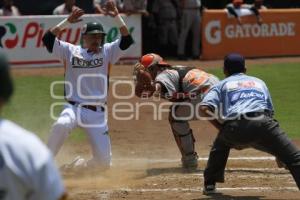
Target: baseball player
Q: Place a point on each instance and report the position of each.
(85, 88)
(178, 84)
(245, 106)
(27, 169)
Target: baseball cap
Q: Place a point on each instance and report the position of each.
(92, 28)
(151, 59)
(234, 63)
(6, 84)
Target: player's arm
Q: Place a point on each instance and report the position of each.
(126, 39)
(207, 111)
(209, 107)
(49, 37)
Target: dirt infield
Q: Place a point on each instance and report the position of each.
(146, 161)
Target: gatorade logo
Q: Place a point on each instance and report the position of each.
(9, 43)
(213, 32)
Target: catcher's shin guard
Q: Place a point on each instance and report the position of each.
(185, 140)
(186, 145)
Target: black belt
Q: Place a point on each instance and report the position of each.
(250, 115)
(90, 107)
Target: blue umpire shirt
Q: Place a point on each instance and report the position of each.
(238, 94)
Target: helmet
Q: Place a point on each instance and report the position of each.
(151, 59)
(6, 84)
(92, 28)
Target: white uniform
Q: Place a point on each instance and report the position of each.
(86, 83)
(27, 170)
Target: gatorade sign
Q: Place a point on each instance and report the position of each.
(222, 34)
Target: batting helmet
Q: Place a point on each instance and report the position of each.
(6, 84)
(92, 28)
(152, 59)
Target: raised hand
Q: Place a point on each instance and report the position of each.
(74, 17)
(111, 9)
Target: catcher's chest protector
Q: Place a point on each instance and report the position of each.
(182, 71)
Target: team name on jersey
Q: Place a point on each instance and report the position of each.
(81, 63)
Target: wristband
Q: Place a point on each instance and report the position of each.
(63, 24)
(119, 21)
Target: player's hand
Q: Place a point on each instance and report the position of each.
(74, 17)
(111, 9)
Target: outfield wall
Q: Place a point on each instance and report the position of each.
(21, 37)
(279, 34)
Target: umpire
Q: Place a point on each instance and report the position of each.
(243, 104)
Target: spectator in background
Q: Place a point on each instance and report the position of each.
(166, 14)
(235, 7)
(9, 9)
(191, 18)
(135, 6)
(255, 7)
(65, 8)
(89, 6)
(102, 5)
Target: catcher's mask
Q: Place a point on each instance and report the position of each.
(93, 28)
(152, 59)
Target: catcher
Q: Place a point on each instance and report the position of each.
(178, 84)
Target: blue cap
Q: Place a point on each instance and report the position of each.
(234, 63)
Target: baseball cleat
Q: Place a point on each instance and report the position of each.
(77, 163)
(190, 161)
(209, 189)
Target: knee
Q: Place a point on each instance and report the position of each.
(61, 128)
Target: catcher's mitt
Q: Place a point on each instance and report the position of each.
(143, 81)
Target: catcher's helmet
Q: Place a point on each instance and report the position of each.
(92, 28)
(6, 84)
(151, 59)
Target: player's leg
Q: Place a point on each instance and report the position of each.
(61, 128)
(99, 138)
(101, 148)
(163, 28)
(196, 33)
(215, 168)
(183, 135)
(173, 38)
(275, 141)
(184, 30)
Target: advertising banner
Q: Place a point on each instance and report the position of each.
(278, 35)
(21, 37)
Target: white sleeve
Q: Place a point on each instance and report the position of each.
(61, 49)
(48, 183)
(113, 51)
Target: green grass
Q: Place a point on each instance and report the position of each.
(30, 105)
